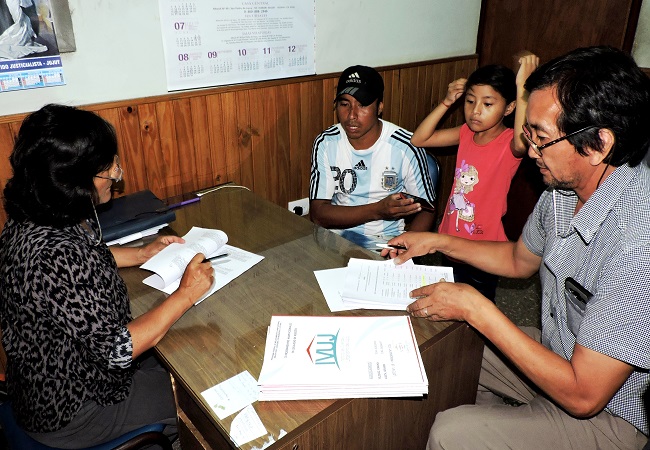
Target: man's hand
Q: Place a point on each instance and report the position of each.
(444, 301)
(395, 207)
(412, 244)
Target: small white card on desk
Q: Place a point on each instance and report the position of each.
(230, 396)
(246, 426)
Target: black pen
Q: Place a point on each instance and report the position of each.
(223, 255)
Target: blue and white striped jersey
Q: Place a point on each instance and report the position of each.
(350, 177)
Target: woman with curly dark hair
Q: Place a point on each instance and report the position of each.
(78, 370)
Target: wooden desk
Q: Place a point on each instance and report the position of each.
(225, 334)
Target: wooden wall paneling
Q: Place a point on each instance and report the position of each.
(276, 127)
(244, 138)
(15, 127)
(130, 149)
(327, 101)
(112, 116)
(151, 149)
(186, 157)
(296, 144)
(553, 27)
(311, 121)
(230, 130)
(392, 96)
(217, 143)
(169, 157)
(269, 120)
(201, 140)
(388, 113)
(424, 94)
(284, 174)
(6, 147)
(258, 143)
(408, 97)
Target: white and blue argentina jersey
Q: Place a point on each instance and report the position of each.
(352, 177)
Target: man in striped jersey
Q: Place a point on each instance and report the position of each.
(360, 167)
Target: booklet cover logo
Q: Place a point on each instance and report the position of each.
(322, 349)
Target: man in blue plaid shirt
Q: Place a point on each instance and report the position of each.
(582, 380)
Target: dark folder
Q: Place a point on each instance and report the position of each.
(131, 214)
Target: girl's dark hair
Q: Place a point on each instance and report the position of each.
(501, 79)
(601, 87)
(58, 152)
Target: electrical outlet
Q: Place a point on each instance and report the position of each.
(300, 207)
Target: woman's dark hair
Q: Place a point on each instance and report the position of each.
(58, 151)
(602, 87)
(501, 79)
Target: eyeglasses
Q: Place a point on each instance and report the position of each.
(528, 134)
(116, 171)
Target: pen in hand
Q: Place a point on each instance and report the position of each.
(396, 247)
(223, 255)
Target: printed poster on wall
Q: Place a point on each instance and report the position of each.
(29, 54)
(218, 42)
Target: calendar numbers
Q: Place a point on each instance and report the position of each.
(209, 43)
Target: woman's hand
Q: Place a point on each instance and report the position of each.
(131, 256)
(197, 279)
(152, 249)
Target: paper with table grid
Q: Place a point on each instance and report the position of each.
(385, 285)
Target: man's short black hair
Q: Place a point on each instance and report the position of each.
(604, 87)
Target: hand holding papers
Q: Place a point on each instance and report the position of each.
(168, 265)
(341, 357)
(385, 285)
(377, 284)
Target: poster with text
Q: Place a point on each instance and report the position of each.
(29, 54)
(218, 42)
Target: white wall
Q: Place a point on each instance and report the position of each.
(641, 49)
(120, 56)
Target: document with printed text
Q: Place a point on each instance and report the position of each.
(311, 357)
(385, 285)
(169, 265)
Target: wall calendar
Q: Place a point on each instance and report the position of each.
(219, 42)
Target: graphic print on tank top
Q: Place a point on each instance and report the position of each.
(466, 177)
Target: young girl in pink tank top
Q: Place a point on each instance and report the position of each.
(489, 154)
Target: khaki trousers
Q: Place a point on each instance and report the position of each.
(537, 424)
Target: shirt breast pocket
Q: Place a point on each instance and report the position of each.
(576, 298)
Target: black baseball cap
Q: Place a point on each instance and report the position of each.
(361, 82)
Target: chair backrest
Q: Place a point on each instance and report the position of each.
(434, 171)
(136, 439)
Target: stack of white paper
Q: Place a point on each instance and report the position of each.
(385, 285)
(341, 357)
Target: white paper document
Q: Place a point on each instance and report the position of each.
(169, 265)
(329, 281)
(310, 357)
(246, 426)
(232, 395)
(385, 285)
(136, 236)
